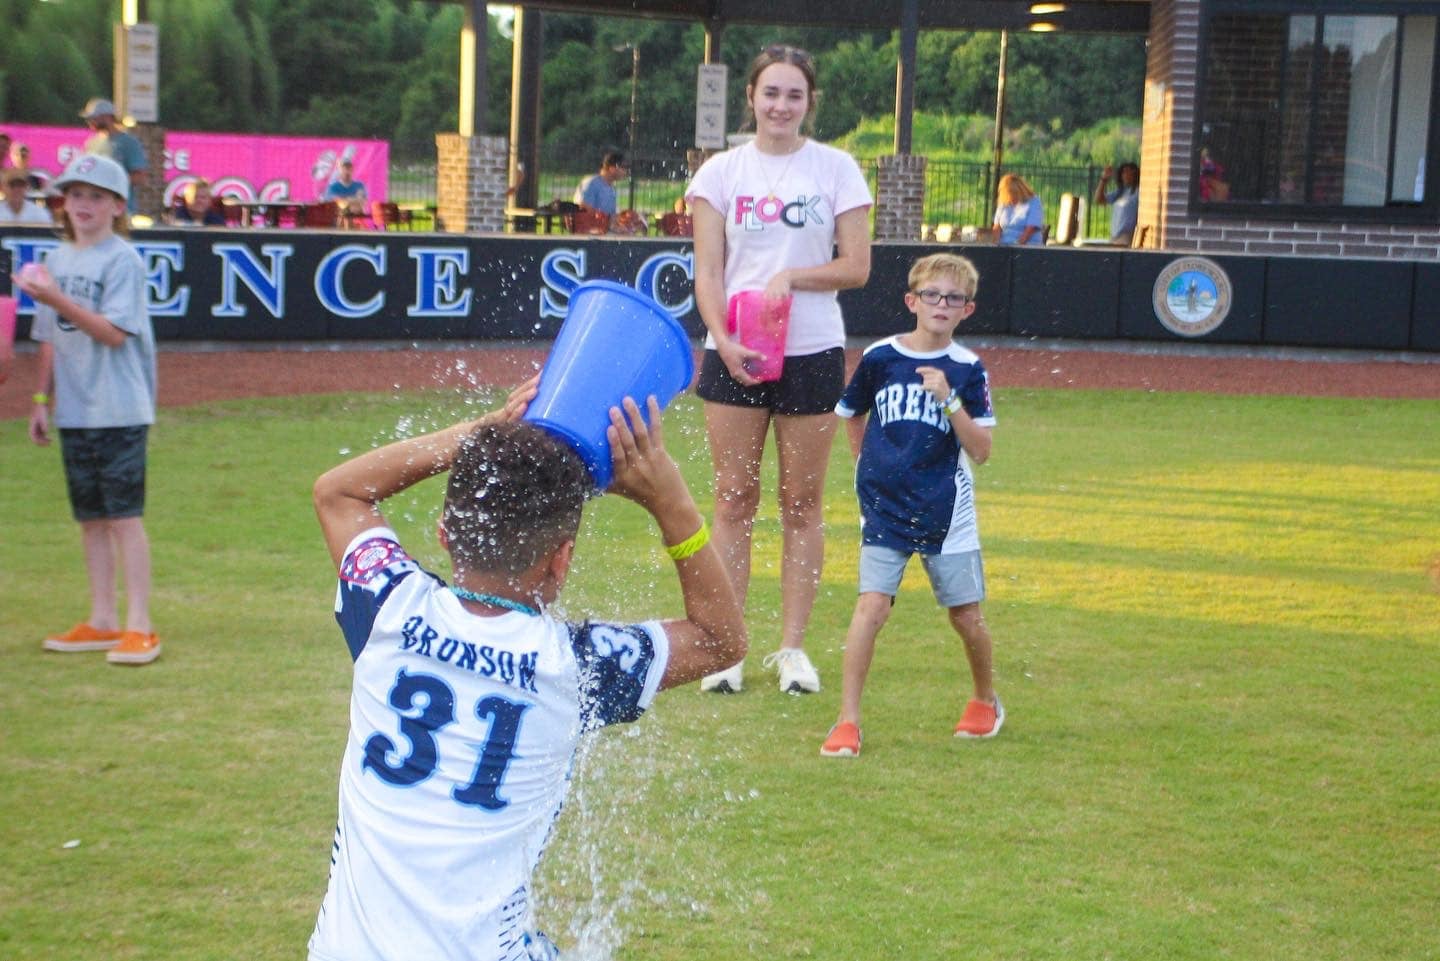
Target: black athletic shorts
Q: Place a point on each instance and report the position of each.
(808, 384)
(105, 471)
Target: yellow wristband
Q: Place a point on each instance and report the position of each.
(690, 545)
(40, 397)
(952, 406)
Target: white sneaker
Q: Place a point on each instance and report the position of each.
(797, 674)
(728, 681)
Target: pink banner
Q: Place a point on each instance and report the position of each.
(243, 166)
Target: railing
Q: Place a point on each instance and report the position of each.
(659, 178)
(962, 193)
(957, 192)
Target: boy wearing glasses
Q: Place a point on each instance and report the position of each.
(917, 413)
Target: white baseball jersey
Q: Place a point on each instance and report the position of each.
(462, 734)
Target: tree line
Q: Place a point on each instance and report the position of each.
(389, 69)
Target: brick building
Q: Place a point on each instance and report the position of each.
(1291, 127)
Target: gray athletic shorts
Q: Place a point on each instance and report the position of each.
(956, 579)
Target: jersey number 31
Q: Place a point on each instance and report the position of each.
(419, 728)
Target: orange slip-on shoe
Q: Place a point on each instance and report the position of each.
(844, 741)
(981, 719)
(82, 637)
(135, 647)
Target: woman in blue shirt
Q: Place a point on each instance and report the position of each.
(1124, 201)
(1019, 217)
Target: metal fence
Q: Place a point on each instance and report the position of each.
(961, 193)
(659, 180)
(957, 192)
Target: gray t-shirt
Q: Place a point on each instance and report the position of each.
(95, 385)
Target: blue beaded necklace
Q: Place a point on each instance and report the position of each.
(493, 601)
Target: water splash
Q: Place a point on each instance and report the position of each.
(614, 861)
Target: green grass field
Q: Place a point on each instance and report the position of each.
(1216, 635)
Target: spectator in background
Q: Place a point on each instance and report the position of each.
(345, 191)
(1124, 201)
(1019, 217)
(5, 160)
(17, 208)
(1213, 185)
(597, 191)
(110, 140)
(20, 157)
(197, 206)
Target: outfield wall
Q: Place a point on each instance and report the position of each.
(252, 285)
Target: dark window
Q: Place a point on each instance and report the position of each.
(1317, 111)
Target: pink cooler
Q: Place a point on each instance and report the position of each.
(760, 323)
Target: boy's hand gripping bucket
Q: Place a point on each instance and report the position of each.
(614, 343)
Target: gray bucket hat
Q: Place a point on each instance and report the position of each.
(97, 171)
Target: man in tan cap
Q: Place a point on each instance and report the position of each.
(111, 140)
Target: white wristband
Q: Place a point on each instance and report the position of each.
(952, 405)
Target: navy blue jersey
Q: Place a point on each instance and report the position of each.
(913, 479)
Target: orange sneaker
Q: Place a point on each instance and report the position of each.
(135, 647)
(981, 719)
(81, 637)
(844, 741)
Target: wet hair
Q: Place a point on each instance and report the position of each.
(1014, 189)
(958, 270)
(782, 53)
(515, 495)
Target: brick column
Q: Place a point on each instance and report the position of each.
(899, 197)
(470, 181)
(1167, 139)
(150, 197)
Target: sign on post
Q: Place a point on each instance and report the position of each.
(710, 83)
(137, 72)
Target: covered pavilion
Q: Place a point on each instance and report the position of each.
(470, 149)
(1320, 109)
(1269, 126)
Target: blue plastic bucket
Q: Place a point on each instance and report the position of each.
(614, 343)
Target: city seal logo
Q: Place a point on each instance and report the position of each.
(1192, 296)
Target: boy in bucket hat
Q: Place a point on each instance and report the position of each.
(111, 140)
(97, 360)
